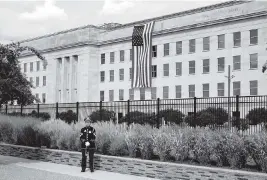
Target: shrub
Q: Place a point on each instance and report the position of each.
(257, 116)
(203, 119)
(256, 146)
(241, 124)
(172, 116)
(106, 115)
(7, 132)
(27, 137)
(34, 114)
(43, 115)
(69, 116)
(221, 115)
(230, 149)
(139, 118)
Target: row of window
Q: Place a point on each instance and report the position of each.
(192, 46)
(43, 100)
(253, 60)
(37, 81)
(178, 91)
(37, 66)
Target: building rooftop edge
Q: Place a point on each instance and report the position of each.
(183, 13)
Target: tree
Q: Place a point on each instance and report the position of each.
(13, 83)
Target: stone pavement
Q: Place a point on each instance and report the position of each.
(25, 169)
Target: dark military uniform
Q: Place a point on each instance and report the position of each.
(88, 134)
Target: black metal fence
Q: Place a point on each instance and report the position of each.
(248, 114)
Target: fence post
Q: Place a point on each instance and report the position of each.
(6, 109)
(158, 119)
(57, 110)
(38, 110)
(128, 110)
(21, 109)
(100, 110)
(77, 111)
(237, 115)
(195, 109)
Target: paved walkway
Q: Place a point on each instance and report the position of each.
(13, 168)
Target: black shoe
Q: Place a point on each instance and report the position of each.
(92, 170)
(83, 170)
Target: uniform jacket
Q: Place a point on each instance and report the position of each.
(88, 133)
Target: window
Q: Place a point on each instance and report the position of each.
(253, 87)
(191, 88)
(111, 95)
(206, 66)
(206, 43)
(121, 74)
(206, 90)
(44, 80)
(253, 61)
(131, 94)
(192, 45)
(166, 49)
(192, 67)
(153, 93)
(37, 81)
(221, 64)
(254, 36)
(237, 39)
(111, 75)
(236, 88)
(165, 92)
(121, 94)
(142, 93)
(178, 91)
(38, 66)
(131, 54)
(25, 67)
(121, 55)
(37, 97)
(165, 69)
(102, 58)
(44, 66)
(43, 97)
(237, 62)
(102, 76)
(220, 89)
(130, 73)
(31, 80)
(31, 66)
(178, 68)
(112, 57)
(154, 71)
(154, 51)
(179, 47)
(102, 95)
(221, 41)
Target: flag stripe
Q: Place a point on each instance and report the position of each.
(142, 59)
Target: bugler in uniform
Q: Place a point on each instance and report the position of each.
(87, 137)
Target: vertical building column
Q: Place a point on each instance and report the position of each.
(71, 79)
(63, 81)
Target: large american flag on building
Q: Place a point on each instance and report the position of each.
(142, 55)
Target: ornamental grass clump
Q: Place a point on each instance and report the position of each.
(256, 146)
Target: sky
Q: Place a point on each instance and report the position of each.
(21, 19)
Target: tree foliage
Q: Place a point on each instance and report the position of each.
(13, 83)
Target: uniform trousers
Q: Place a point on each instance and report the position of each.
(91, 157)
